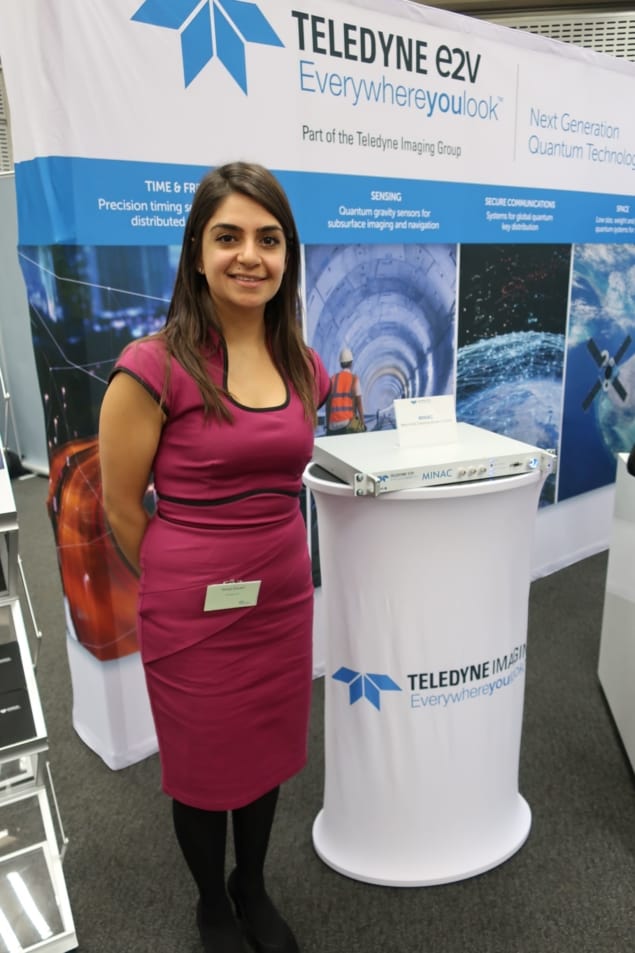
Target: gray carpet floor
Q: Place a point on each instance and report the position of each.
(570, 889)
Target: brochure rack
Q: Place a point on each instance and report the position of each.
(34, 907)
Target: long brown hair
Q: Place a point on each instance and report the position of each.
(191, 313)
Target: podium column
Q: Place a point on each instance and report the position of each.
(425, 598)
(616, 665)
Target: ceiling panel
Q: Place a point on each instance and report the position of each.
(483, 7)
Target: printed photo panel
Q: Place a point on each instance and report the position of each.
(599, 398)
(393, 307)
(513, 302)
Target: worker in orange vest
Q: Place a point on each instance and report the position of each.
(344, 409)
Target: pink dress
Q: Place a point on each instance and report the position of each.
(230, 688)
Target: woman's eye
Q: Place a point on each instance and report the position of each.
(225, 239)
(270, 241)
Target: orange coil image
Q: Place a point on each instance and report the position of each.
(99, 585)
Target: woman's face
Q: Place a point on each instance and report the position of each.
(243, 256)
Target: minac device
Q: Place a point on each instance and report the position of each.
(375, 462)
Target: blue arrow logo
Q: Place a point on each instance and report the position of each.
(209, 28)
(365, 685)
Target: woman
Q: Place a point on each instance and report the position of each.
(221, 407)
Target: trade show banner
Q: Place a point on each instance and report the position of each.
(379, 126)
(464, 194)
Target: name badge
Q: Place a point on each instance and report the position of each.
(231, 595)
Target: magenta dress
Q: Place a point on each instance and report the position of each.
(229, 689)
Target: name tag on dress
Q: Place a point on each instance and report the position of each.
(231, 595)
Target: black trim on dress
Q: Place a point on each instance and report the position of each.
(150, 390)
(236, 403)
(226, 499)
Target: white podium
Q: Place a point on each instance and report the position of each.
(616, 667)
(425, 596)
(111, 708)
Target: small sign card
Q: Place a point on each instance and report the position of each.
(425, 421)
(231, 595)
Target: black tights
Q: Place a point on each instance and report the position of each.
(202, 837)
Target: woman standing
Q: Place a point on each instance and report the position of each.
(221, 406)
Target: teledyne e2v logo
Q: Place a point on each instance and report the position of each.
(210, 28)
(365, 685)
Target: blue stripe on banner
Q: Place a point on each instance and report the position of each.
(105, 202)
(44, 191)
(109, 202)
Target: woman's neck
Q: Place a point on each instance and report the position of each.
(243, 327)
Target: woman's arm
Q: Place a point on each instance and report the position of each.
(130, 424)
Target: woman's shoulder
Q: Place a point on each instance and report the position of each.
(148, 348)
(315, 359)
(146, 359)
(321, 374)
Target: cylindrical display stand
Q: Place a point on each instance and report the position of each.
(425, 597)
(616, 667)
(111, 709)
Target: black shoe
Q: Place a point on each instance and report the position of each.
(262, 925)
(222, 937)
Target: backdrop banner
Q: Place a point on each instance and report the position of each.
(464, 195)
(380, 122)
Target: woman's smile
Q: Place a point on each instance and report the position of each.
(243, 256)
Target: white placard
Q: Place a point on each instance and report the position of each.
(425, 421)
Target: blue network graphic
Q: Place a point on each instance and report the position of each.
(86, 304)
